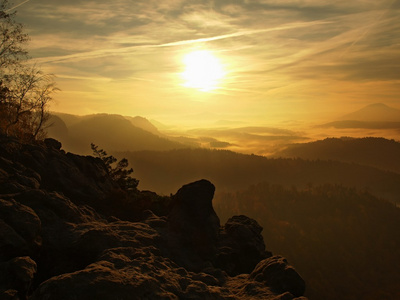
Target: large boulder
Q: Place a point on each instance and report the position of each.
(20, 229)
(16, 276)
(92, 239)
(132, 273)
(59, 218)
(276, 273)
(241, 246)
(192, 216)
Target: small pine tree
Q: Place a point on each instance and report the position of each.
(119, 172)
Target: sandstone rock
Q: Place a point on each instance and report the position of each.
(52, 143)
(79, 177)
(92, 239)
(17, 275)
(55, 207)
(59, 218)
(20, 230)
(102, 281)
(125, 273)
(9, 295)
(11, 243)
(154, 221)
(241, 246)
(193, 217)
(277, 274)
(15, 177)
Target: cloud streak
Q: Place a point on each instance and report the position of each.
(16, 6)
(127, 50)
(291, 55)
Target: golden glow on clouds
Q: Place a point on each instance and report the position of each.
(203, 70)
(261, 60)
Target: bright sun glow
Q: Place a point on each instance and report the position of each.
(203, 70)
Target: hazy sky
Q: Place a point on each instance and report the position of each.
(280, 58)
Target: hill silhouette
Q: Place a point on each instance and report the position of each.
(69, 119)
(373, 116)
(104, 128)
(377, 152)
(361, 125)
(114, 132)
(377, 112)
(144, 124)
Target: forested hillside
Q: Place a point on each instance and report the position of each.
(377, 152)
(165, 171)
(344, 242)
(337, 221)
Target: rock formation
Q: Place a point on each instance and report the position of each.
(194, 220)
(68, 232)
(241, 246)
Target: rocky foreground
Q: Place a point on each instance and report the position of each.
(67, 231)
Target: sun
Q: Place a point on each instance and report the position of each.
(203, 70)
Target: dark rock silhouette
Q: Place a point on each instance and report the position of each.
(66, 232)
(193, 217)
(20, 227)
(16, 276)
(241, 245)
(276, 273)
(52, 143)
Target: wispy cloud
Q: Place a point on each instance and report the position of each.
(282, 53)
(244, 33)
(16, 6)
(125, 50)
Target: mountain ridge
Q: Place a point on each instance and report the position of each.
(111, 131)
(377, 116)
(376, 112)
(376, 152)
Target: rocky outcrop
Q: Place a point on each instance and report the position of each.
(43, 165)
(281, 277)
(193, 219)
(16, 277)
(58, 240)
(241, 245)
(20, 229)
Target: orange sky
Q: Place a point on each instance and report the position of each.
(282, 60)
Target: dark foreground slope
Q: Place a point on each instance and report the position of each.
(69, 232)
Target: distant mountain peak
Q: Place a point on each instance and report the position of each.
(375, 112)
(144, 124)
(377, 105)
